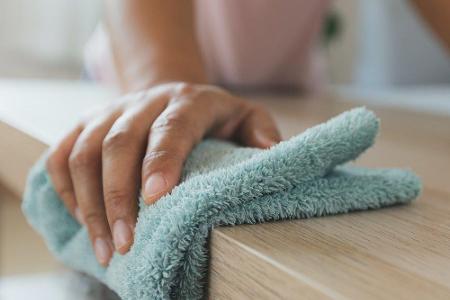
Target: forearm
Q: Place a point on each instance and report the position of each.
(153, 42)
(437, 15)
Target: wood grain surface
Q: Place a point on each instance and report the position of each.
(401, 252)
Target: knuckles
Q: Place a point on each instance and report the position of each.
(53, 163)
(93, 218)
(172, 121)
(156, 155)
(117, 139)
(183, 89)
(155, 159)
(115, 199)
(82, 158)
(66, 195)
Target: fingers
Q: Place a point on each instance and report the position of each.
(85, 167)
(172, 137)
(146, 139)
(184, 123)
(123, 149)
(258, 129)
(58, 169)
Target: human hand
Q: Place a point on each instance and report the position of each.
(143, 140)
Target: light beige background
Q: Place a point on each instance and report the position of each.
(384, 42)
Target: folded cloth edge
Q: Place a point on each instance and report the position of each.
(168, 280)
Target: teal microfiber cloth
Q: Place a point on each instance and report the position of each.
(223, 184)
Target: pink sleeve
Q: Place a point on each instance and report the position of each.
(245, 44)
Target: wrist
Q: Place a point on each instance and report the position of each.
(147, 75)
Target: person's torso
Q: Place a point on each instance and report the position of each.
(256, 43)
(245, 44)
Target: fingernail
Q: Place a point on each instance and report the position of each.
(264, 139)
(78, 215)
(122, 236)
(102, 251)
(154, 186)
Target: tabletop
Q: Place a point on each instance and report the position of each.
(401, 252)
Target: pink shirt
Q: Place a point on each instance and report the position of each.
(246, 43)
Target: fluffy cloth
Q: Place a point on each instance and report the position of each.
(225, 185)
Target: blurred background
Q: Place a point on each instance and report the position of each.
(45, 38)
(379, 43)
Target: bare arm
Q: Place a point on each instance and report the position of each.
(153, 41)
(437, 14)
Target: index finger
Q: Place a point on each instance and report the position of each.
(123, 149)
(172, 137)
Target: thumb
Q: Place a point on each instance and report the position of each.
(258, 129)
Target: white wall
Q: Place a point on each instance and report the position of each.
(44, 34)
(386, 43)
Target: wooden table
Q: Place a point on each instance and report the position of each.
(401, 252)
